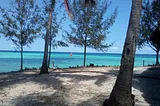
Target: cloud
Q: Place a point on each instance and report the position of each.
(13, 46)
(114, 48)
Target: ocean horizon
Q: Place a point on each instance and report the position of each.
(10, 60)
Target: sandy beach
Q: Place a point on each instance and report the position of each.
(75, 87)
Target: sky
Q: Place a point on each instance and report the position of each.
(117, 32)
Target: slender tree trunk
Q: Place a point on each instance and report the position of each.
(84, 61)
(157, 55)
(44, 68)
(21, 57)
(121, 94)
(85, 46)
(21, 44)
(49, 57)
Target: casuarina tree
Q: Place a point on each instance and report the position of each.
(154, 39)
(20, 23)
(150, 21)
(90, 26)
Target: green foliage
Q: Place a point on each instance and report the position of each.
(150, 20)
(155, 37)
(90, 25)
(20, 22)
(33, 68)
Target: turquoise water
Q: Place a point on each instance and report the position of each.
(10, 60)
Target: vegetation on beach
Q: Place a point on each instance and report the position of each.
(20, 24)
(33, 68)
(121, 94)
(149, 25)
(50, 24)
(25, 21)
(90, 27)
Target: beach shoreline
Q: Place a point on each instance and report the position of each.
(84, 86)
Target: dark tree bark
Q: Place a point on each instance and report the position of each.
(44, 68)
(84, 61)
(121, 94)
(21, 44)
(50, 47)
(21, 58)
(157, 55)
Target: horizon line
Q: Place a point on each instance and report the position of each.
(68, 52)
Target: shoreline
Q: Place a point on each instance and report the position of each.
(71, 67)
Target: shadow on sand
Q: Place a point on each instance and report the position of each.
(52, 80)
(148, 82)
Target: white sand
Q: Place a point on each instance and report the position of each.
(73, 87)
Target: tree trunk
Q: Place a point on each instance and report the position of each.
(44, 68)
(49, 57)
(21, 44)
(121, 94)
(157, 55)
(84, 61)
(85, 46)
(21, 58)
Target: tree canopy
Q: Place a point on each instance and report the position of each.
(150, 21)
(90, 25)
(155, 37)
(19, 23)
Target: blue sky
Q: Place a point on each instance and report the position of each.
(117, 32)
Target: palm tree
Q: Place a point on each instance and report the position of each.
(44, 68)
(121, 94)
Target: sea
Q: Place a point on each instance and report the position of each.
(10, 60)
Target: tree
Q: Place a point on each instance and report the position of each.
(150, 20)
(54, 28)
(20, 23)
(156, 36)
(53, 43)
(90, 26)
(53, 32)
(121, 94)
(154, 39)
(50, 9)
